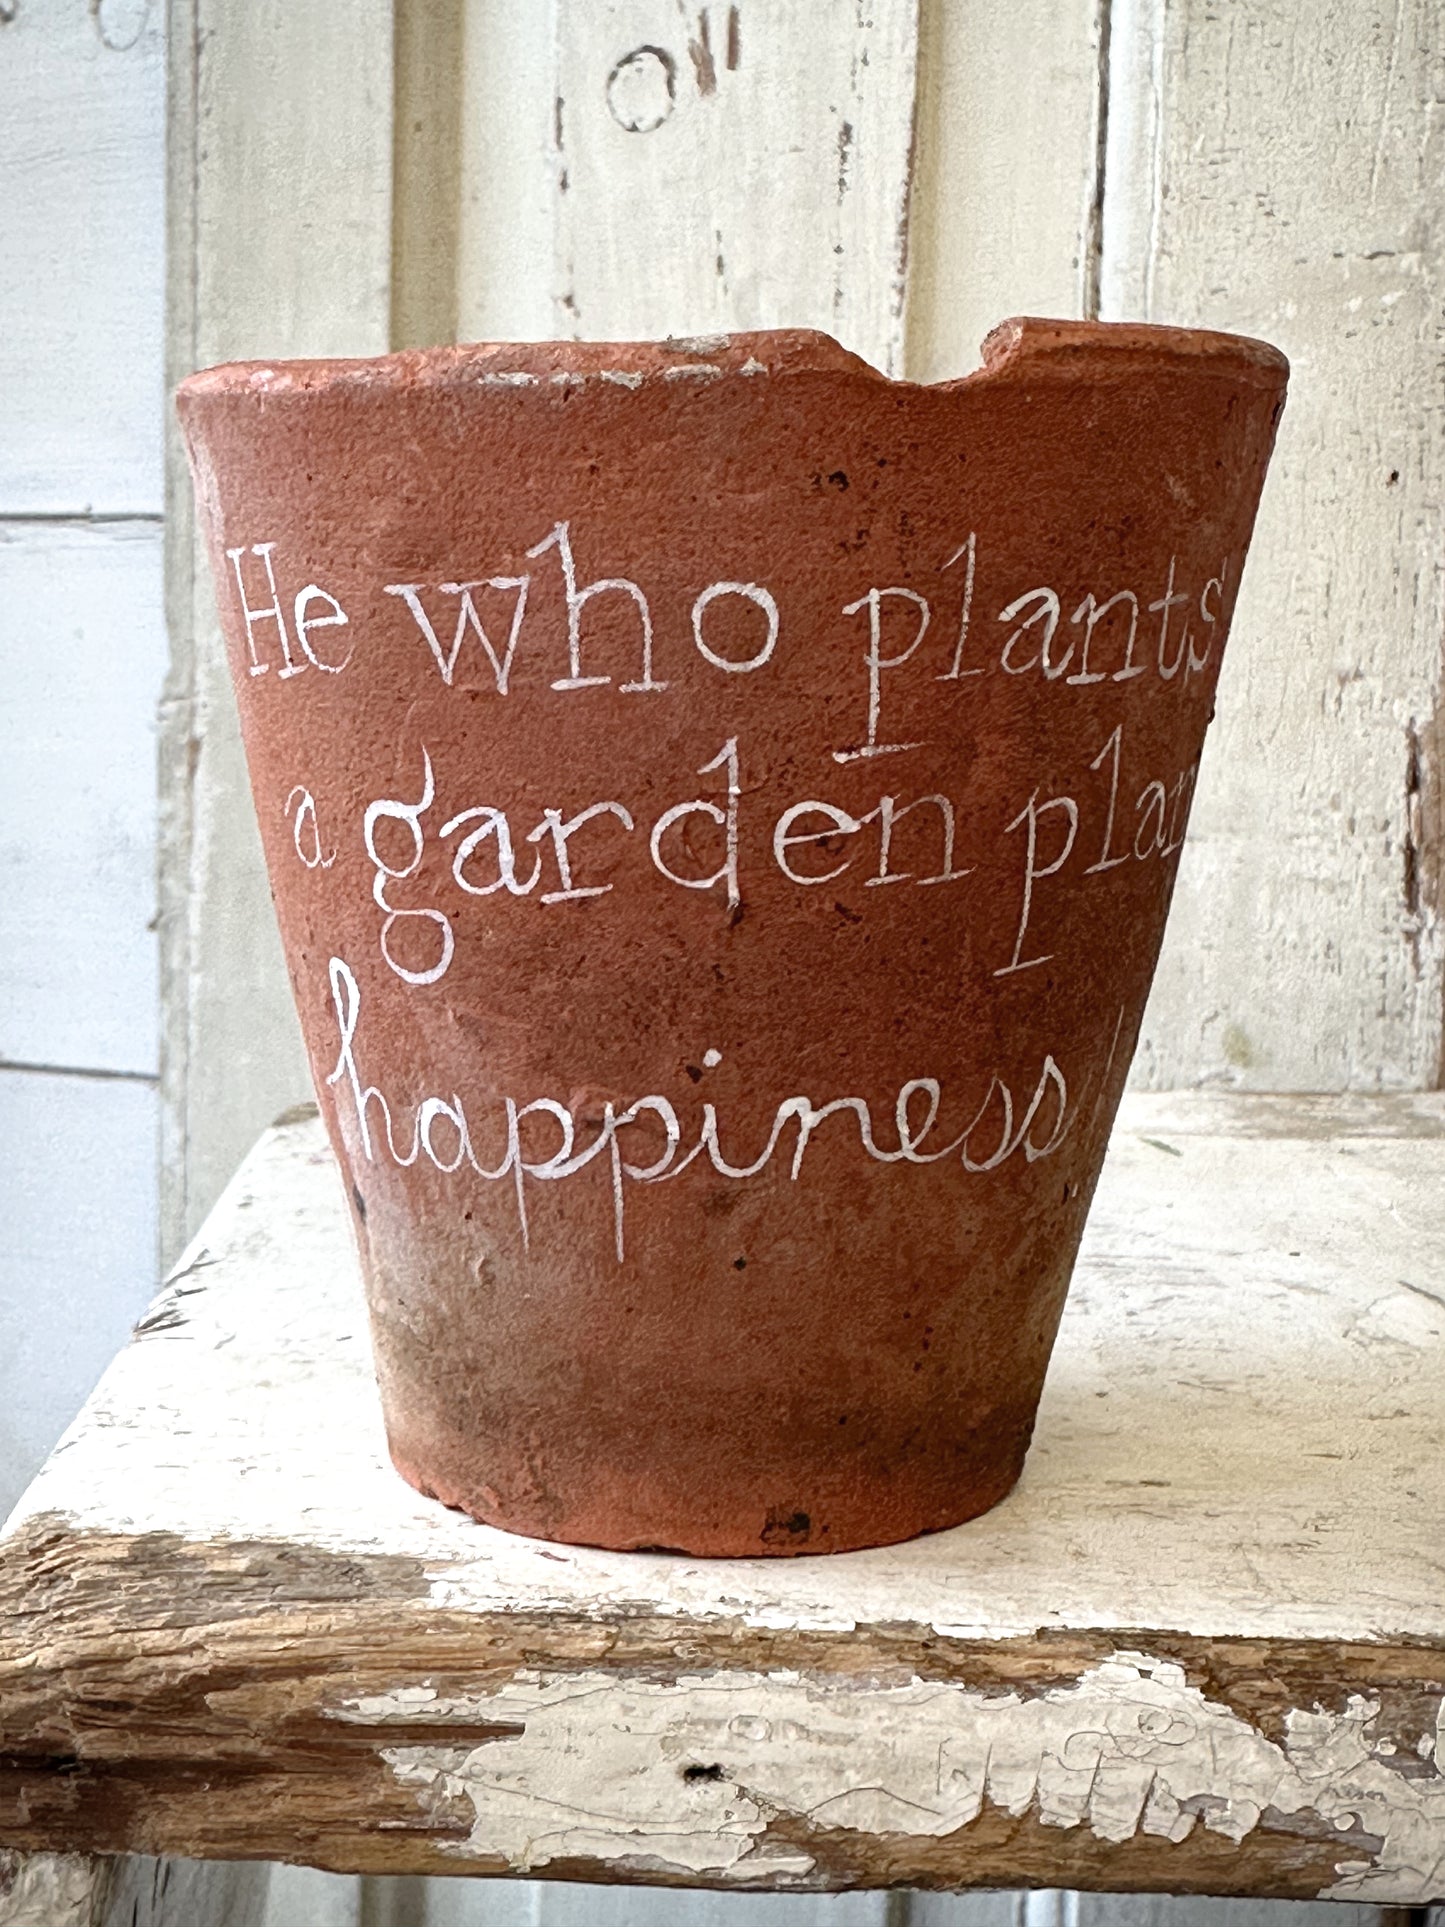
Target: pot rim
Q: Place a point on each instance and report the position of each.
(1044, 348)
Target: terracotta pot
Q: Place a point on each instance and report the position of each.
(721, 806)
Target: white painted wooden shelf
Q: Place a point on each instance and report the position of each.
(1200, 1649)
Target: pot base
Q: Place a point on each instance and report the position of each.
(843, 1520)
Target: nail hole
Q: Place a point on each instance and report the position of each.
(642, 89)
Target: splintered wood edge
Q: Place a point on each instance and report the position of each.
(239, 1700)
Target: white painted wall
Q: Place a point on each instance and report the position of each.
(83, 652)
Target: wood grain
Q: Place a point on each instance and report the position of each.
(206, 1719)
(203, 1719)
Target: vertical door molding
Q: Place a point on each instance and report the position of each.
(1007, 186)
(280, 173)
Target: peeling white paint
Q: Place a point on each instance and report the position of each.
(601, 1769)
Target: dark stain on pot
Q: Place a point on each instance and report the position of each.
(784, 1526)
(359, 1202)
(712, 1772)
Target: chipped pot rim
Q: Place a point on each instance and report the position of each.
(1041, 348)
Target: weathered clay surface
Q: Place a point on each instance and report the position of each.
(722, 807)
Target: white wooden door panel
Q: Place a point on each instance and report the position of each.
(82, 640)
(82, 651)
(733, 166)
(77, 1263)
(1005, 208)
(647, 169)
(1279, 173)
(82, 100)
